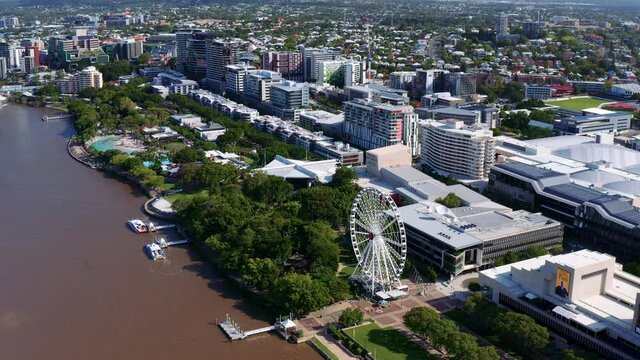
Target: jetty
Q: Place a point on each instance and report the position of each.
(46, 117)
(165, 244)
(234, 332)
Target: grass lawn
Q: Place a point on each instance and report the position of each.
(320, 345)
(388, 344)
(173, 197)
(578, 104)
(60, 107)
(168, 186)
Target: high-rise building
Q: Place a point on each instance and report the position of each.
(75, 51)
(401, 79)
(33, 51)
(428, 82)
(257, 86)
(289, 64)
(75, 83)
(235, 78)
(128, 49)
(502, 25)
(311, 58)
(288, 99)
(196, 65)
(531, 29)
(221, 53)
(460, 84)
(182, 36)
(3, 68)
(370, 125)
(12, 22)
(348, 71)
(451, 147)
(28, 64)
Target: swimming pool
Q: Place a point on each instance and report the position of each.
(117, 142)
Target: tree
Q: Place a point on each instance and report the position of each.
(266, 188)
(351, 317)
(420, 320)
(522, 331)
(344, 176)
(112, 71)
(298, 294)
(321, 245)
(189, 155)
(188, 175)
(144, 58)
(487, 353)
(260, 272)
(451, 201)
(462, 345)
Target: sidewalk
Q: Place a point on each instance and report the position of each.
(330, 343)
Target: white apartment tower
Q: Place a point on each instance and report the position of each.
(453, 148)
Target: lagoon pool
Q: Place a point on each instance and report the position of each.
(122, 143)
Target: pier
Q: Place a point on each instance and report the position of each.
(233, 331)
(165, 244)
(46, 117)
(168, 226)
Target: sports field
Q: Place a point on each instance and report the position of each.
(578, 104)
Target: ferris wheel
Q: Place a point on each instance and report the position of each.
(379, 240)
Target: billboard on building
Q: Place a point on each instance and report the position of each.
(563, 281)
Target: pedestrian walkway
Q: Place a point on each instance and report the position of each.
(331, 344)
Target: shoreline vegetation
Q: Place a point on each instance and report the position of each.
(281, 245)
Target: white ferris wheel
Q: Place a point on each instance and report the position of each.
(379, 240)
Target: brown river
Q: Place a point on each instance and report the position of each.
(74, 281)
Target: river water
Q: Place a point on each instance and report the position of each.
(74, 281)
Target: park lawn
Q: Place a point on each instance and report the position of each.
(388, 344)
(168, 186)
(578, 104)
(326, 350)
(181, 195)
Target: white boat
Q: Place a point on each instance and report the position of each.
(138, 226)
(154, 251)
(162, 242)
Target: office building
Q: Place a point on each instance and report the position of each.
(289, 64)
(196, 67)
(128, 49)
(3, 68)
(402, 79)
(446, 112)
(235, 78)
(428, 82)
(34, 52)
(451, 147)
(257, 87)
(75, 51)
(370, 125)
(182, 37)
(75, 83)
(588, 86)
(625, 90)
(538, 92)
(221, 53)
(311, 58)
(348, 72)
(584, 296)
(502, 25)
(532, 29)
(289, 99)
(28, 64)
(592, 124)
(460, 84)
(468, 238)
(12, 22)
(320, 120)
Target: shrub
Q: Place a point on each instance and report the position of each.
(474, 286)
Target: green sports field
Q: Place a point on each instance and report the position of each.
(578, 104)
